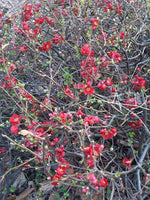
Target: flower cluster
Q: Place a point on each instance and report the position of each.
(61, 169)
(109, 7)
(26, 27)
(104, 62)
(25, 94)
(80, 114)
(89, 69)
(102, 183)
(68, 92)
(92, 152)
(131, 103)
(15, 122)
(108, 134)
(135, 124)
(94, 23)
(57, 39)
(46, 46)
(86, 50)
(90, 120)
(9, 82)
(27, 12)
(115, 56)
(23, 48)
(66, 117)
(138, 83)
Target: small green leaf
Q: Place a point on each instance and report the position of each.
(117, 174)
(12, 188)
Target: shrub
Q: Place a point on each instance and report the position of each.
(75, 88)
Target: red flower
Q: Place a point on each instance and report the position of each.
(109, 82)
(92, 152)
(108, 134)
(147, 179)
(91, 120)
(88, 89)
(138, 83)
(38, 21)
(118, 10)
(80, 86)
(28, 7)
(94, 23)
(25, 26)
(50, 21)
(57, 39)
(9, 84)
(90, 163)
(103, 36)
(86, 49)
(115, 56)
(122, 35)
(1, 15)
(15, 119)
(65, 117)
(2, 150)
(60, 154)
(27, 16)
(14, 129)
(140, 122)
(133, 124)
(89, 151)
(103, 182)
(113, 90)
(148, 102)
(61, 170)
(69, 92)
(104, 62)
(113, 131)
(57, 178)
(127, 162)
(46, 46)
(131, 103)
(101, 85)
(93, 179)
(97, 149)
(80, 114)
(23, 48)
(12, 67)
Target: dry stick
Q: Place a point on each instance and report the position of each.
(21, 146)
(145, 131)
(139, 165)
(3, 176)
(36, 155)
(139, 185)
(113, 190)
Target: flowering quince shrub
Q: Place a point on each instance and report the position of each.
(75, 96)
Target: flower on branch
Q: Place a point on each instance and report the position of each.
(108, 134)
(88, 89)
(127, 162)
(94, 23)
(103, 182)
(86, 50)
(131, 103)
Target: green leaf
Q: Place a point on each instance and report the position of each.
(12, 188)
(117, 174)
(4, 191)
